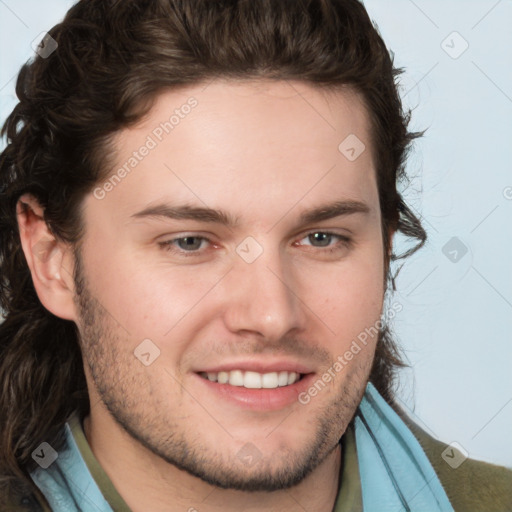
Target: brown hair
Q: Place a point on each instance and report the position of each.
(113, 57)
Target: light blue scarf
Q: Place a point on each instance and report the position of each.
(67, 484)
(396, 475)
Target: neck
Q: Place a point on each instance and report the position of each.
(147, 482)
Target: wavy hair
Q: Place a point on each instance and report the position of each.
(113, 58)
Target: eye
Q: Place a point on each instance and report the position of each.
(185, 244)
(325, 239)
(193, 245)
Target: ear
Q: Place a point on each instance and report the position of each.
(49, 259)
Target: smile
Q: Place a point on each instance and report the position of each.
(253, 380)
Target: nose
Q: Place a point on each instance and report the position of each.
(263, 297)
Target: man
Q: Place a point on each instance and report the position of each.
(198, 206)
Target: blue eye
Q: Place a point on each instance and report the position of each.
(185, 244)
(324, 239)
(189, 246)
(189, 242)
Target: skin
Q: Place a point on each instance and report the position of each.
(264, 152)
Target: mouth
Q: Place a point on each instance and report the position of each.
(253, 380)
(270, 389)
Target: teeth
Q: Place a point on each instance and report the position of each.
(269, 380)
(292, 377)
(236, 378)
(253, 380)
(282, 379)
(223, 377)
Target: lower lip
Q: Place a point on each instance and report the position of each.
(259, 399)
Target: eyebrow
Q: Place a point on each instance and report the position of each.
(200, 214)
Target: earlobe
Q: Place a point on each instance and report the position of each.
(49, 259)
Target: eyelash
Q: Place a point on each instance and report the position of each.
(168, 245)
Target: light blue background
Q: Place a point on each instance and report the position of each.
(456, 321)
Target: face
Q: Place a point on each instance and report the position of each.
(224, 273)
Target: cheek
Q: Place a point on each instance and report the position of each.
(147, 298)
(122, 288)
(349, 299)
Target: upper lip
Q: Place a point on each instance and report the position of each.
(259, 366)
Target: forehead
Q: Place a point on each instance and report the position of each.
(283, 113)
(278, 142)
